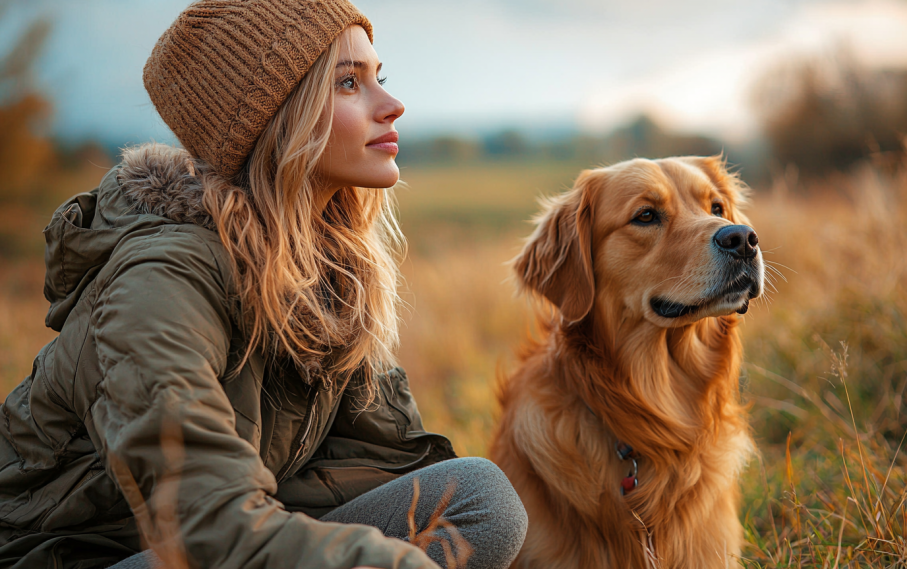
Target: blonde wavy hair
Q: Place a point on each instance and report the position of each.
(318, 289)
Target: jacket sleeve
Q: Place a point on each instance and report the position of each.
(162, 326)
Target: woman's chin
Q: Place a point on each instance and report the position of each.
(382, 175)
(384, 179)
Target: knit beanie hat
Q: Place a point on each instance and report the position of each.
(224, 67)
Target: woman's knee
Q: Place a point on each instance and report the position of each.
(501, 507)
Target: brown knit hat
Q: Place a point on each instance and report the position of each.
(224, 67)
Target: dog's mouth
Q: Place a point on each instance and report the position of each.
(668, 309)
(739, 289)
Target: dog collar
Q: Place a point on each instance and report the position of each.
(624, 452)
(630, 482)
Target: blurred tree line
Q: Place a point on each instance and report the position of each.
(36, 172)
(818, 115)
(24, 149)
(642, 136)
(827, 113)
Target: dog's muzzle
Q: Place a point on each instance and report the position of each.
(738, 246)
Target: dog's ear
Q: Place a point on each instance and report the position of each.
(557, 260)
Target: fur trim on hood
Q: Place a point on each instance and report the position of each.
(162, 181)
(153, 186)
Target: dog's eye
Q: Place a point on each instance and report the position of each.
(646, 217)
(718, 209)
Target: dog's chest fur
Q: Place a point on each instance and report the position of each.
(557, 443)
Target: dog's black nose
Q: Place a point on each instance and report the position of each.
(738, 240)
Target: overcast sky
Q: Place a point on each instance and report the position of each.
(473, 65)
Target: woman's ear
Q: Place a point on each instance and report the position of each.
(557, 260)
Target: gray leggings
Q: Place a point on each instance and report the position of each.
(485, 509)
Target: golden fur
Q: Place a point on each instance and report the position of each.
(610, 368)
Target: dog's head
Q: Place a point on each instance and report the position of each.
(662, 239)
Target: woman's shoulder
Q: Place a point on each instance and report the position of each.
(145, 216)
(155, 197)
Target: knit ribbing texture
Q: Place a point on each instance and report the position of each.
(218, 75)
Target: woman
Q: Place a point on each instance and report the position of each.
(227, 319)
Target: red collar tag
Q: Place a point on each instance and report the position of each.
(628, 484)
(626, 452)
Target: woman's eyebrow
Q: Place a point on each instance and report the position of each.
(356, 64)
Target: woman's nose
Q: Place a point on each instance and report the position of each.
(392, 110)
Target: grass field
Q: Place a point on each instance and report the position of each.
(826, 352)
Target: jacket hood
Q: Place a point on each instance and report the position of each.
(154, 185)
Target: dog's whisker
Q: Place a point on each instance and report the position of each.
(702, 274)
(771, 272)
(677, 286)
(670, 292)
(669, 278)
(777, 264)
(770, 281)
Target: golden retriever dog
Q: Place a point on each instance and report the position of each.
(622, 429)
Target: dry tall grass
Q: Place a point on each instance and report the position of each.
(829, 488)
(827, 374)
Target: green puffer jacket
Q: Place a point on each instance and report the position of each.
(140, 291)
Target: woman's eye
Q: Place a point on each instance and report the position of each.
(382, 81)
(646, 217)
(718, 209)
(348, 82)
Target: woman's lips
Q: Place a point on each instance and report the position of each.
(387, 143)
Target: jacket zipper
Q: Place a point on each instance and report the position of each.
(300, 442)
(89, 476)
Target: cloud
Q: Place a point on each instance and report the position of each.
(710, 92)
(467, 64)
